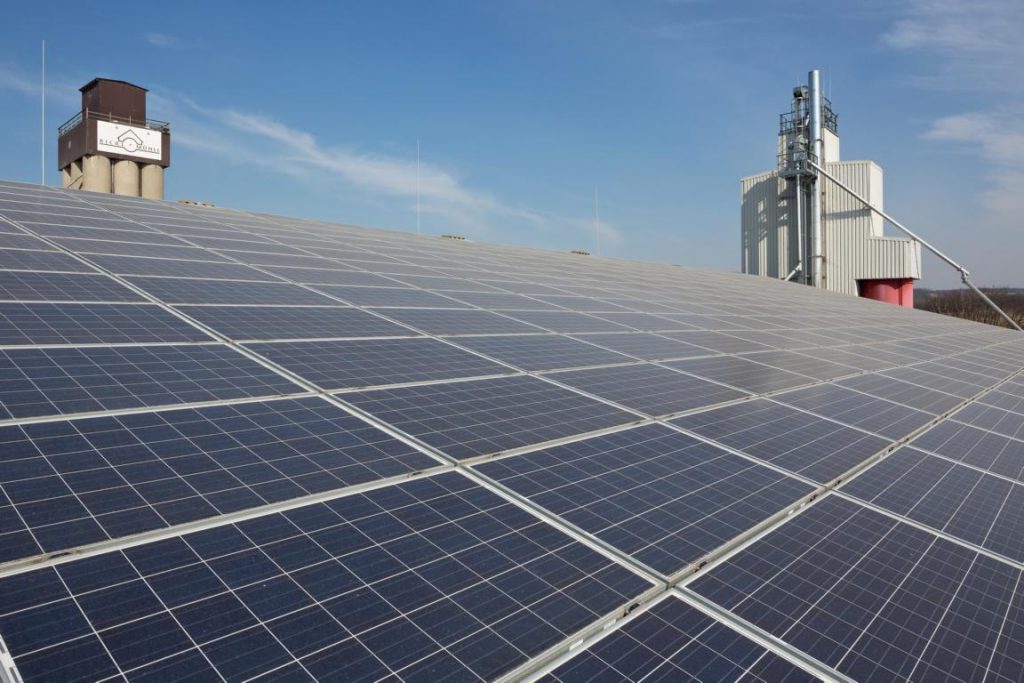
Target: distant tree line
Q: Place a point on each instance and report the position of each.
(964, 303)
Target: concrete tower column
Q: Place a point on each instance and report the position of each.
(96, 173)
(126, 178)
(153, 181)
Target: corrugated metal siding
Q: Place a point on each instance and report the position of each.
(854, 245)
(765, 225)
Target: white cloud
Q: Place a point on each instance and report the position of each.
(978, 52)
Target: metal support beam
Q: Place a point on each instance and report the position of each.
(964, 273)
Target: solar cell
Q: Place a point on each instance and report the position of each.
(716, 342)
(875, 598)
(650, 389)
(674, 642)
(793, 440)
(436, 576)
(245, 323)
(356, 363)
(197, 291)
(541, 351)
(660, 496)
(74, 482)
(68, 323)
(64, 380)
(483, 417)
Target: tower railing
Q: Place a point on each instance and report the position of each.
(87, 114)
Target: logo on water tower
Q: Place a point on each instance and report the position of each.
(130, 141)
(134, 141)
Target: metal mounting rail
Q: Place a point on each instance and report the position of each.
(964, 273)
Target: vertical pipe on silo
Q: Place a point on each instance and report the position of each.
(817, 260)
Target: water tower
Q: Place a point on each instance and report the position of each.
(795, 226)
(110, 145)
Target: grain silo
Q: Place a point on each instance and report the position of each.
(110, 145)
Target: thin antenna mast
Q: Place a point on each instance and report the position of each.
(418, 186)
(42, 119)
(597, 222)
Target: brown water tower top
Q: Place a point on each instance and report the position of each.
(117, 99)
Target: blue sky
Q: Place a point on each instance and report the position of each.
(522, 108)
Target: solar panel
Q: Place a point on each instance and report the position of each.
(650, 389)
(457, 321)
(70, 323)
(29, 286)
(663, 497)
(51, 381)
(673, 641)
(20, 241)
(75, 482)
(498, 462)
(244, 323)
(567, 321)
(980, 508)
(876, 598)
(483, 417)
(176, 267)
(541, 351)
(645, 346)
(437, 575)
(794, 440)
(892, 420)
(741, 373)
(335, 365)
(175, 290)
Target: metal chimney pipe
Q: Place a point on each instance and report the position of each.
(817, 258)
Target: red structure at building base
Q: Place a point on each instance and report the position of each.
(895, 291)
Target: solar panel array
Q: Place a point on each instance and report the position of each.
(243, 447)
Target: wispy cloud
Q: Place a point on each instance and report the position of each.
(162, 40)
(274, 145)
(13, 79)
(976, 48)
